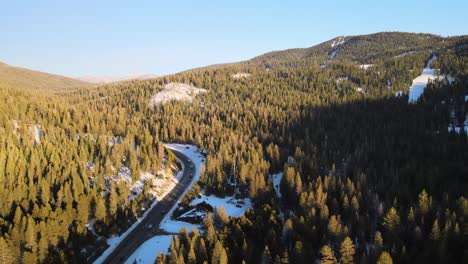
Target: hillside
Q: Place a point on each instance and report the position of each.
(17, 77)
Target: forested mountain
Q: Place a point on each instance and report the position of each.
(16, 77)
(367, 177)
(361, 48)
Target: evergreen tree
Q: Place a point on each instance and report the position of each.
(347, 251)
(327, 255)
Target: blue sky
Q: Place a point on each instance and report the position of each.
(76, 38)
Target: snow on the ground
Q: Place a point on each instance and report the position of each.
(195, 155)
(276, 180)
(335, 47)
(458, 129)
(240, 75)
(360, 90)
(173, 226)
(234, 207)
(148, 251)
(399, 93)
(365, 66)
(420, 83)
(176, 91)
(342, 79)
(338, 41)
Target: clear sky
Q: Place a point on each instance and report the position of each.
(101, 37)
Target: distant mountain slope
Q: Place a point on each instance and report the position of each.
(111, 79)
(362, 48)
(16, 77)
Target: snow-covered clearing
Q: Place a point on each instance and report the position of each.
(176, 91)
(234, 207)
(148, 251)
(240, 75)
(276, 180)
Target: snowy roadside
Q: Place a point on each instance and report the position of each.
(194, 154)
(146, 253)
(113, 242)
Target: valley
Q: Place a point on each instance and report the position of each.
(353, 150)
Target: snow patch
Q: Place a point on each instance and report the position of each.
(405, 54)
(148, 251)
(365, 66)
(176, 91)
(240, 75)
(338, 41)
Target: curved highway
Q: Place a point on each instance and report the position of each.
(149, 226)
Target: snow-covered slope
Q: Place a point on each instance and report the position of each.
(176, 91)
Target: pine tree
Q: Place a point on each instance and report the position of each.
(424, 202)
(192, 258)
(347, 251)
(222, 217)
(392, 221)
(219, 254)
(327, 255)
(385, 258)
(435, 231)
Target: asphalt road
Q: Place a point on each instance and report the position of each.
(149, 226)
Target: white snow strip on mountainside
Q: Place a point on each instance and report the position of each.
(420, 83)
(176, 91)
(234, 207)
(148, 251)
